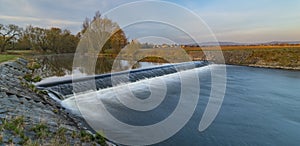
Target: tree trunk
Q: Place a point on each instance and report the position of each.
(2, 49)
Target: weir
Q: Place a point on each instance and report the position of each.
(65, 88)
(134, 98)
(157, 103)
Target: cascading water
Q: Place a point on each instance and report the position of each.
(143, 103)
(143, 89)
(67, 87)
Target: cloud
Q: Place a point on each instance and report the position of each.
(229, 19)
(67, 14)
(17, 7)
(44, 21)
(18, 18)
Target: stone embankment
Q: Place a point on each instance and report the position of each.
(30, 117)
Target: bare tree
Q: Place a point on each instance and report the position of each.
(97, 15)
(85, 25)
(7, 34)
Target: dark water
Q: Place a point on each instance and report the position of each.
(261, 107)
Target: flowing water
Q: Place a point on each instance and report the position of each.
(260, 107)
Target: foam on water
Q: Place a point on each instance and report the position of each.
(121, 90)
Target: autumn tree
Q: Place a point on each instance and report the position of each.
(8, 35)
(53, 40)
(105, 33)
(118, 41)
(23, 42)
(38, 38)
(69, 42)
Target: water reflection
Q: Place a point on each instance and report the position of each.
(62, 65)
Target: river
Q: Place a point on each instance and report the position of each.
(260, 107)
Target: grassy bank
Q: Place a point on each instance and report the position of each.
(11, 55)
(6, 57)
(22, 52)
(42, 134)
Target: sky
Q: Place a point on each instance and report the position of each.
(245, 21)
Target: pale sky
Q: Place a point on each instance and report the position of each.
(230, 20)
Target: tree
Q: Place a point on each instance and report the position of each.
(8, 33)
(97, 15)
(38, 38)
(23, 42)
(68, 42)
(103, 30)
(48, 40)
(54, 40)
(85, 25)
(118, 40)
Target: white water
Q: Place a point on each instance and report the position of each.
(156, 84)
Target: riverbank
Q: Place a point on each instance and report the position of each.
(30, 117)
(276, 57)
(6, 57)
(264, 56)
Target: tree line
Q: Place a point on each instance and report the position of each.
(55, 40)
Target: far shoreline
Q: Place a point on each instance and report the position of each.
(286, 57)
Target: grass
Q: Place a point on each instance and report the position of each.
(21, 52)
(42, 134)
(10, 55)
(153, 59)
(283, 56)
(6, 57)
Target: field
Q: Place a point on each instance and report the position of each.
(232, 48)
(264, 56)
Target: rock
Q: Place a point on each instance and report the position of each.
(18, 101)
(2, 111)
(17, 140)
(3, 94)
(13, 98)
(22, 61)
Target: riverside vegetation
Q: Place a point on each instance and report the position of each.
(37, 40)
